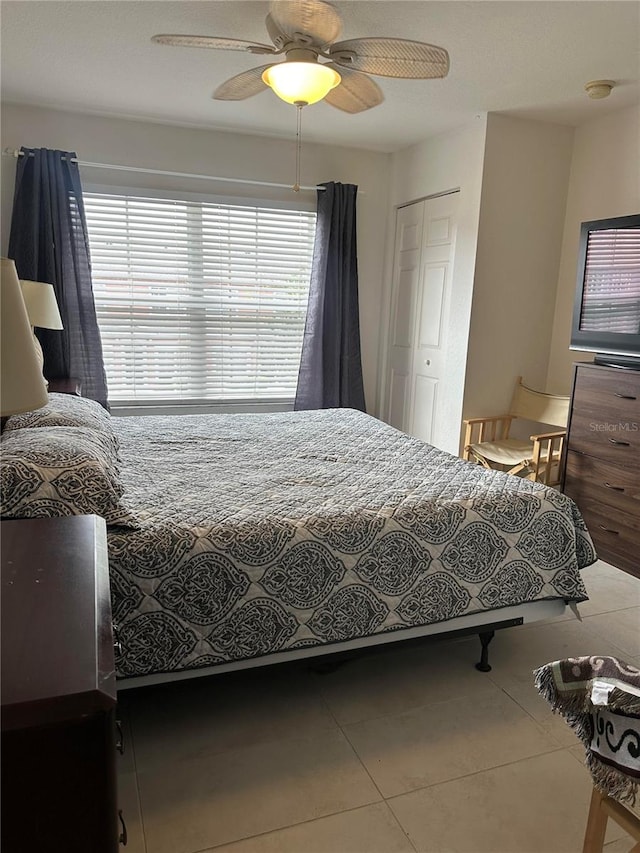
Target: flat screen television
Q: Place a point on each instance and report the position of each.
(606, 313)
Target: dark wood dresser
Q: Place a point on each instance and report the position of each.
(602, 471)
(58, 688)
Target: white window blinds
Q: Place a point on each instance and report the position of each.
(199, 300)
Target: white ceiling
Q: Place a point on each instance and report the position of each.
(529, 58)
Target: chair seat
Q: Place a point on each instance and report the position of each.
(507, 451)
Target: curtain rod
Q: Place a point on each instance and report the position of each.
(14, 152)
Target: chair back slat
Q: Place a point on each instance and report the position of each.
(537, 406)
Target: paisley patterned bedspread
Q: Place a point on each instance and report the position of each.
(261, 533)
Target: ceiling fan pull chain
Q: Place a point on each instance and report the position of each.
(296, 186)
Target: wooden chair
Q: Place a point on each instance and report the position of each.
(598, 697)
(602, 808)
(487, 440)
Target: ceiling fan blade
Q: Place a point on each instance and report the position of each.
(318, 20)
(213, 42)
(355, 93)
(275, 33)
(390, 57)
(243, 85)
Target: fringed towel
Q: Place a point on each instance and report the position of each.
(599, 697)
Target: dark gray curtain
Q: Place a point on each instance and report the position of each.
(49, 243)
(330, 366)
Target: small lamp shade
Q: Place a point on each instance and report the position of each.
(301, 83)
(22, 386)
(41, 304)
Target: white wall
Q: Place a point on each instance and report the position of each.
(172, 148)
(524, 288)
(524, 190)
(604, 182)
(445, 162)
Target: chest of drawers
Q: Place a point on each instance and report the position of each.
(602, 470)
(59, 791)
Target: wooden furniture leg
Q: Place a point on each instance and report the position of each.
(603, 807)
(596, 825)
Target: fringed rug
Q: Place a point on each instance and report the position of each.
(599, 697)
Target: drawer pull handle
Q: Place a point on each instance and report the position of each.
(626, 396)
(120, 740)
(123, 835)
(608, 530)
(117, 645)
(619, 443)
(615, 488)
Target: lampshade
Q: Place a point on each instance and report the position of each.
(301, 83)
(41, 304)
(22, 385)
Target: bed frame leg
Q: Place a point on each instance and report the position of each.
(485, 639)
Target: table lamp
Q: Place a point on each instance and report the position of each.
(22, 386)
(42, 309)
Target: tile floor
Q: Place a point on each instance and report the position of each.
(408, 750)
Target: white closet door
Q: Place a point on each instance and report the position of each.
(423, 266)
(406, 277)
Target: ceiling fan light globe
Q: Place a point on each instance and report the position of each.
(301, 82)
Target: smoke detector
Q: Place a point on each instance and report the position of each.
(599, 88)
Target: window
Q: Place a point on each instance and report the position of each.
(199, 300)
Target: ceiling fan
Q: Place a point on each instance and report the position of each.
(305, 31)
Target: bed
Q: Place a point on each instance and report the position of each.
(241, 540)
